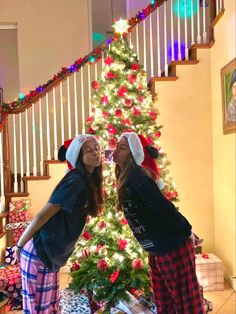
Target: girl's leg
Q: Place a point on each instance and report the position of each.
(178, 270)
(39, 286)
(161, 295)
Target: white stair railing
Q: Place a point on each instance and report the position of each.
(37, 133)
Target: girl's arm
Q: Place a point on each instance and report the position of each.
(39, 220)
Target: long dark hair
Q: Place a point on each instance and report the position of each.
(121, 178)
(94, 183)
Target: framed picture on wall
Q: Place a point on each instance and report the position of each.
(228, 91)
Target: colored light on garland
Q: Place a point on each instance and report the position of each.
(92, 59)
(21, 96)
(121, 26)
(180, 6)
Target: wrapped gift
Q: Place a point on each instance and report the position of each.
(19, 211)
(133, 306)
(210, 272)
(9, 256)
(19, 217)
(73, 303)
(9, 275)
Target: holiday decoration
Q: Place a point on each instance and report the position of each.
(60, 76)
(110, 260)
(121, 26)
(210, 272)
(19, 218)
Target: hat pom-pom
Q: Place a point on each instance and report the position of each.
(152, 151)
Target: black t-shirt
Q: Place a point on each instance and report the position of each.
(155, 222)
(55, 241)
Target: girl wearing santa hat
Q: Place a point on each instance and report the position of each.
(159, 228)
(50, 239)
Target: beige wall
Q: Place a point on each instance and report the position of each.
(51, 34)
(224, 146)
(185, 113)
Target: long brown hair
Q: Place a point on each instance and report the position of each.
(121, 178)
(94, 183)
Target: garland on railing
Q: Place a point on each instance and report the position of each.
(92, 58)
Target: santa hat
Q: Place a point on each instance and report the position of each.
(150, 154)
(135, 146)
(71, 149)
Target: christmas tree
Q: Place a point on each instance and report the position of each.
(108, 261)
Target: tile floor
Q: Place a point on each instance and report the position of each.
(224, 302)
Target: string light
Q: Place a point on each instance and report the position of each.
(121, 26)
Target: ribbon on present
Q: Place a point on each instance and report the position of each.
(205, 255)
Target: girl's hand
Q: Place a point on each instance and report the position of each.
(17, 253)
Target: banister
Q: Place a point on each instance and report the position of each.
(20, 105)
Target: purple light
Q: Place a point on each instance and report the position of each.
(40, 89)
(72, 68)
(176, 51)
(108, 41)
(141, 15)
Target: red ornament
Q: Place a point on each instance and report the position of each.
(150, 140)
(140, 87)
(125, 121)
(86, 235)
(153, 115)
(122, 244)
(137, 264)
(90, 130)
(136, 111)
(108, 61)
(104, 99)
(112, 143)
(168, 195)
(110, 75)
(118, 112)
(128, 103)
(102, 265)
(157, 134)
(111, 129)
(132, 78)
(175, 194)
(141, 99)
(122, 91)
(75, 266)
(114, 276)
(105, 114)
(95, 85)
(124, 221)
(90, 119)
(135, 67)
(102, 224)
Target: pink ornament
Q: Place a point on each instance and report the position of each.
(137, 264)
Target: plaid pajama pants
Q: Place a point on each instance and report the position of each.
(40, 287)
(174, 283)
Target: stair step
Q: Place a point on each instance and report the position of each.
(18, 194)
(36, 178)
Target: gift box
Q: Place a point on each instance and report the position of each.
(9, 256)
(210, 272)
(133, 306)
(9, 275)
(19, 217)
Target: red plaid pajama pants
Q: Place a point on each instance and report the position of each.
(174, 283)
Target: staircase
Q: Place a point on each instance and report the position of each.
(34, 127)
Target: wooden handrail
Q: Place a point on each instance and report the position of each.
(132, 21)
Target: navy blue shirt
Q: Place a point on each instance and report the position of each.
(56, 240)
(155, 222)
